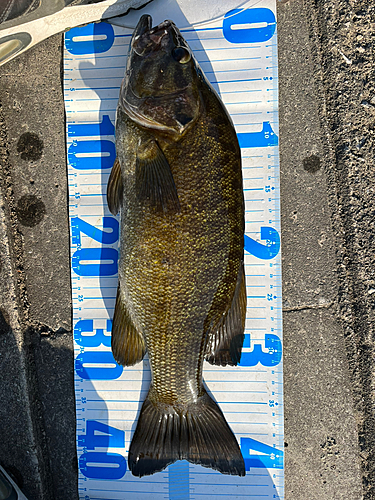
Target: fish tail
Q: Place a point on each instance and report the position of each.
(199, 434)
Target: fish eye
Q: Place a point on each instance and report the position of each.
(181, 55)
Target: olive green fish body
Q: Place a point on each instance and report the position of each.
(181, 283)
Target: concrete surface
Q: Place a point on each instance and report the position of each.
(327, 110)
(37, 402)
(322, 455)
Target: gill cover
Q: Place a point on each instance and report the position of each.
(160, 87)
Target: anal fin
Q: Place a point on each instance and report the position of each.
(128, 345)
(225, 340)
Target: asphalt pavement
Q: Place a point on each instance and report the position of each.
(327, 111)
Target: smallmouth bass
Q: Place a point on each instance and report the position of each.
(177, 180)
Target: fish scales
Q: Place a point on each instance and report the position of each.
(181, 260)
(186, 259)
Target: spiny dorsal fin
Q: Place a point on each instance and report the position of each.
(128, 345)
(115, 189)
(154, 181)
(224, 344)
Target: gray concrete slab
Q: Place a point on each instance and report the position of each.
(342, 40)
(37, 405)
(20, 446)
(33, 108)
(309, 270)
(320, 414)
(54, 363)
(322, 459)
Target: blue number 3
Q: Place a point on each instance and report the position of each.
(257, 355)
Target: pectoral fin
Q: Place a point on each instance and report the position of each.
(128, 345)
(154, 181)
(224, 344)
(115, 189)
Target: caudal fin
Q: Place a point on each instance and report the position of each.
(199, 434)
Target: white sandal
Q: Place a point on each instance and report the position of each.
(8, 488)
(25, 23)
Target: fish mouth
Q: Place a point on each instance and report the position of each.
(145, 43)
(146, 38)
(144, 24)
(150, 94)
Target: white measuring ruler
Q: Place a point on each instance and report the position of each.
(238, 53)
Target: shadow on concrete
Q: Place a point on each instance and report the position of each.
(18, 455)
(53, 359)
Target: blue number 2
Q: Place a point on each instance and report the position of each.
(264, 251)
(107, 237)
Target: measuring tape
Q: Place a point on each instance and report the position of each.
(238, 54)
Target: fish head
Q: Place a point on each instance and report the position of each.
(160, 89)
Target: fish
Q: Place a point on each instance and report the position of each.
(177, 182)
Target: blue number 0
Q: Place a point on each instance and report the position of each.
(97, 38)
(116, 462)
(235, 22)
(105, 261)
(93, 370)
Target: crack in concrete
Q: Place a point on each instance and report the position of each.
(306, 307)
